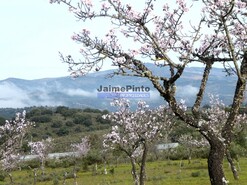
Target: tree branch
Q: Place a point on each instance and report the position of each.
(231, 48)
(237, 100)
(200, 94)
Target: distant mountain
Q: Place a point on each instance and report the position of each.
(82, 92)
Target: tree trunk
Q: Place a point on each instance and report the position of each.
(34, 175)
(11, 178)
(232, 165)
(143, 165)
(75, 176)
(65, 177)
(134, 172)
(189, 154)
(215, 163)
(43, 167)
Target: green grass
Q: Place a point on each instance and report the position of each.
(158, 173)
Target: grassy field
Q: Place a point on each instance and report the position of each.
(158, 173)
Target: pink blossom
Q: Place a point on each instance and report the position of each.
(105, 6)
(41, 148)
(130, 128)
(11, 135)
(87, 2)
(134, 52)
(85, 31)
(81, 148)
(165, 7)
(182, 5)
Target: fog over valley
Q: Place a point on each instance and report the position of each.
(83, 91)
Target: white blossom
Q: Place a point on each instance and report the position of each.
(132, 129)
(11, 136)
(81, 148)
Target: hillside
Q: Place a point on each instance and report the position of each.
(65, 125)
(82, 92)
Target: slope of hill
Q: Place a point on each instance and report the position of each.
(82, 92)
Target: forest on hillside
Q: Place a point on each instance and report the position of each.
(68, 125)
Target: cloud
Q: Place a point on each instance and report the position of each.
(15, 97)
(80, 92)
(12, 96)
(187, 91)
(42, 97)
(154, 95)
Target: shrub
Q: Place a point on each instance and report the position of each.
(69, 123)
(2, 121)
(65, 111)
(195, 174)
(56, 124)
(60, 163)
(62, 131)
(55, 181)
(34, 163)
(44, 177)
(2, 176)
(101, 120)
(91, 110)
(41, 119)
(80, 118)
(83, 119)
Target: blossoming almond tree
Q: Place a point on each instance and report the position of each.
(171, 35)
(42, 149)
(134, 132)
(11, 136)
(80, 150)
(216, 114)
(190, 142)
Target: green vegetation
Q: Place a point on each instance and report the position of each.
(158, 173)
(67, 125)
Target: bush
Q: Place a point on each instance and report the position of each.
(62, 110)
(195, 174)
(91, 110)
(2, 121)
(34, 135)
(60, 163)
(101, 120)
(56, 124)
(39, 111)
(78, 129)
(69, 123)
(44, 177)
(178, 153)
(62, 131)
(65, 111)
(83, 119)
(2, 176)
(31, 164)
(41, 119)
(92, 158)
(55, 181)
(87, 122)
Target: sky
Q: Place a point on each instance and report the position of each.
(33, 32)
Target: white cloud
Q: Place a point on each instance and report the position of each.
(80, 92)
(12, 96)
(187, 90)
(15, 97)
(154, 95)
